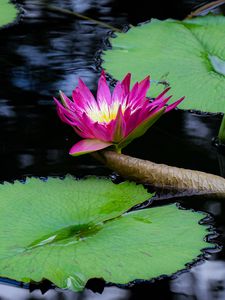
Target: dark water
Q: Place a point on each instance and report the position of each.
(46, 52)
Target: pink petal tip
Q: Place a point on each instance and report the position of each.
(88, 146)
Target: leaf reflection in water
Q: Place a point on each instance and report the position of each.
(110, 293)
(203, 282)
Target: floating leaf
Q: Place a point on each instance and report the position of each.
(69, 231)
(8, 12)
(188, 55)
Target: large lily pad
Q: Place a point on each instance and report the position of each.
(71, 230)
(8, 12)
(188, 55)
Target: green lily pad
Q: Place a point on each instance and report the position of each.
(69, 231)
(188, 55)
(8, 12)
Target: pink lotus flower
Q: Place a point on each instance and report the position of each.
(111, 120)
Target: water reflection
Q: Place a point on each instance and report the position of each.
(110, 293)
(103, 6)
(204, 282)
(44, 53)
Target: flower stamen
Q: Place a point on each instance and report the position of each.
(105, 113)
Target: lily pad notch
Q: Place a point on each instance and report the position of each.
(70, 231)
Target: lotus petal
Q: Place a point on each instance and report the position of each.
(87, 146)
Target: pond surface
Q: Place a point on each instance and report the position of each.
(49, 51)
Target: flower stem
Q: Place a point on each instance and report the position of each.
(221, 134)
(161, 176)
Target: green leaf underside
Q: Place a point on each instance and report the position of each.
(69, 231)
(8, 12)
(188, 55)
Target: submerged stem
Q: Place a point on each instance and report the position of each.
(162, 176)
(221, 134)
(205, 8)
(73, 13)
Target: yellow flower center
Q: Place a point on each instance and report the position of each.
(106, 113)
